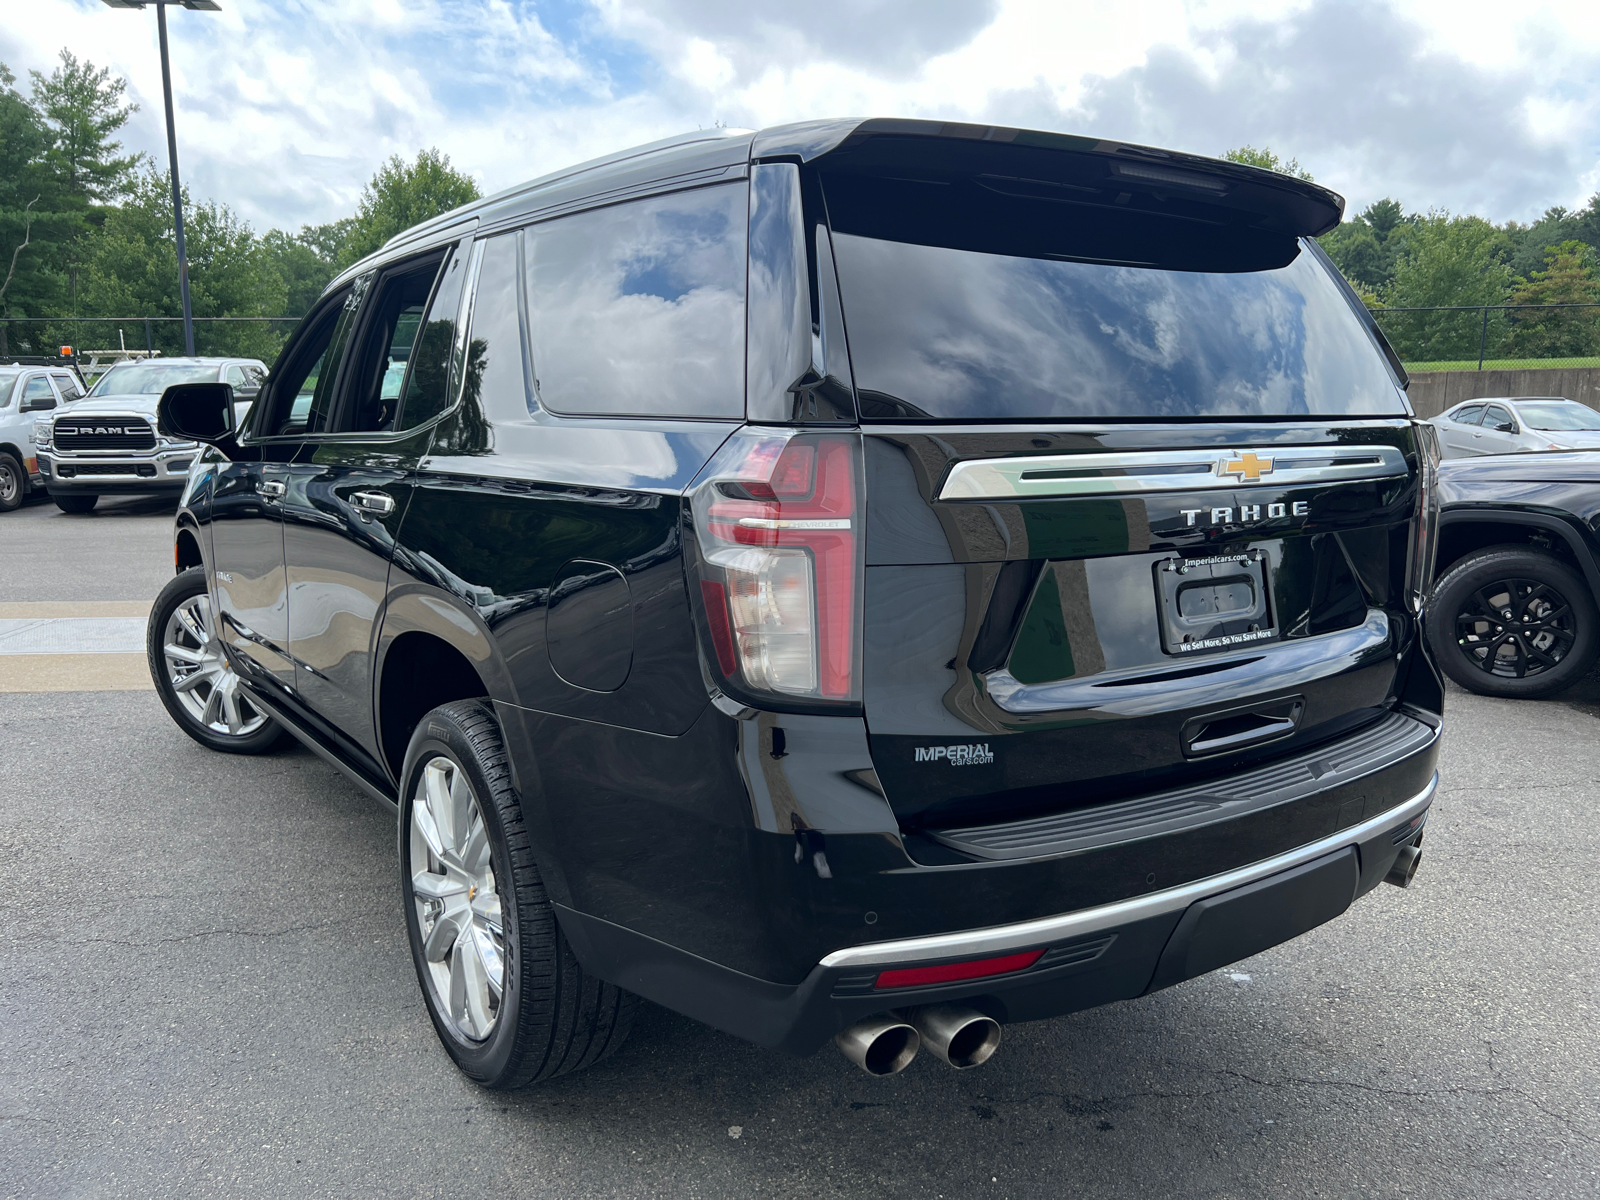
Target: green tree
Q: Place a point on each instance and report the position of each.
(404, 194)
(1568, 278)
(1452, 263)
(303, 270)
(1366, 246)
(1267, 160)
(36, 218)
(82, 106)
(131, 269)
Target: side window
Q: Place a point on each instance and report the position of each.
(426, 393)
(67, 385)
(304, 390)
(235, 378)
(639, 308)
(1495, 416)
(1468, 415)
(37, 394)
(379, 366)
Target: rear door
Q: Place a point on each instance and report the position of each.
(1137, 499)
(1456, 431)
(349, 488)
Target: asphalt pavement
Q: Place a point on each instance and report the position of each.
(205, 991)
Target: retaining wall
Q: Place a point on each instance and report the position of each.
(1434, 391)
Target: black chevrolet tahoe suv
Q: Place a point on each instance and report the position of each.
(1513, 613)
(859, 580)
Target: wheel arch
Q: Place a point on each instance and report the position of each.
(186, 550)
(430, 651)
(1463, 531)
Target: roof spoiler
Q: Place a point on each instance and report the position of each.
(1087, 169)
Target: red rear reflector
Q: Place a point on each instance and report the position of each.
(717, 617)
(976, 968)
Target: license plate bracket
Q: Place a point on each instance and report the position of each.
(1215, 603)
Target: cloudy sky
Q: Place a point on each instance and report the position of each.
(285, 107)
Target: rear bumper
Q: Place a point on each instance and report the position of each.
(1092, 956)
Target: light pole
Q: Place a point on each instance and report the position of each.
(172, 146)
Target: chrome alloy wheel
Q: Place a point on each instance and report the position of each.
(206, 686)
(458, 908)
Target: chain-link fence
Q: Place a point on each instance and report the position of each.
(243, 337)
(1493, 337)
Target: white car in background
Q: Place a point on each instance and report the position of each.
(1517, 425)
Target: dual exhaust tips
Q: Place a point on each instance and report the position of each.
(886, 1044)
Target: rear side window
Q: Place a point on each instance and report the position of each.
(67, 385)
(967, 301)
(638, 309)
(1469, 415)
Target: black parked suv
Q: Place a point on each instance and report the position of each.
(1513, 613)
(861, 580)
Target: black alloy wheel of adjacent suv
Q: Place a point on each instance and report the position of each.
(1513, 621)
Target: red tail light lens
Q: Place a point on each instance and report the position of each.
(778, 526)
(1424, 545)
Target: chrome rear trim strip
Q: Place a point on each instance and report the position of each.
(1139, 472)
(998, 939)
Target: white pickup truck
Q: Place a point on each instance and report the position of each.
(27, 390)
(107, 445)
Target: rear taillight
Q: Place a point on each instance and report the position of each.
(1424, 541)
(777, 526)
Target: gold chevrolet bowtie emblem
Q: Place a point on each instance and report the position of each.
(1248, 467)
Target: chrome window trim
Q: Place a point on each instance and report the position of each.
(977, 943)
(1141, 472)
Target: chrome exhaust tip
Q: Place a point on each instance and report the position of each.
(962, 1037)
(881, 1045)
(1405, 867)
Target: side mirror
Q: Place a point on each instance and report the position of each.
(196, 412)
(1506, 427)
(37, 404)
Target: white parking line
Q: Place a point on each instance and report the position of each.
(73, 646)
(72, 635)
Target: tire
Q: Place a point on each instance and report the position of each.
(13, 482)
(74, 504)
(1549, 642)
(551, 1017)
(192, 676)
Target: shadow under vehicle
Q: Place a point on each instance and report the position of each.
(861, 580)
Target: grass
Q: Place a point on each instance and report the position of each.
(1502, 364)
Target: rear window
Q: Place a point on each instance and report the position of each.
(966, 302)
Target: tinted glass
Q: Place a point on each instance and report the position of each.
(639, 308)
(1470, 415)
(150, 378)
(1556, 416)
(965, 304)
(8, 384)
(67, 385)
(304, 389)
(390, 334)
(496, 383)
(426, 393)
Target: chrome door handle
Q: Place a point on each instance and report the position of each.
(273, 488)
(380, 503)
